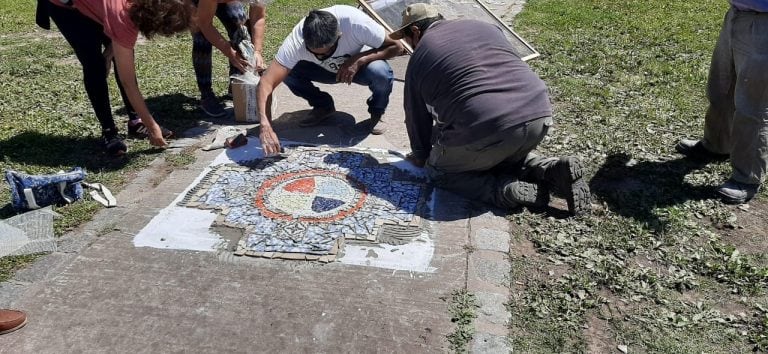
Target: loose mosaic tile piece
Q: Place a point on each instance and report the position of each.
(398, 234)
(306, 202)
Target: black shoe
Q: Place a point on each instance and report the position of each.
(565, 181)
(211, 106)
(526, 194)
(137, 130)
(732, 192)
(114, 146)
(373, 124)
(695, 150)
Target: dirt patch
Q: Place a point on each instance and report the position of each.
(70, 60)
(522, 247)
(36, 35)
(751, 231)
(597, 335)
(715, 296)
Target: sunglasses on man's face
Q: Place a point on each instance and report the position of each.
(324, 54)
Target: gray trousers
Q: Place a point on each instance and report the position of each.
(737, 118)
(480, 170)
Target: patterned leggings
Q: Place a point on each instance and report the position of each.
(232, 15)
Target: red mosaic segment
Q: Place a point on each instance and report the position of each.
(304, 185)
(268, 185)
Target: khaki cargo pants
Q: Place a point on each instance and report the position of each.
(480, 170)
(737, 118)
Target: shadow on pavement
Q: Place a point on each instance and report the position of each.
(441, 205)
(58, 151)
(635, 190)
(338, 130)
(180, 113)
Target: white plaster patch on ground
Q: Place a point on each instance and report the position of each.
(182, 228)
(415, 256)
(250, 151)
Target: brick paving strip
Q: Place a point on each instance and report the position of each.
(489, 267)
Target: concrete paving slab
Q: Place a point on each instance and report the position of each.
(490, 240)
(490, 344)
(105, 295)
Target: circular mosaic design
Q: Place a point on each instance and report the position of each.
(310, 196)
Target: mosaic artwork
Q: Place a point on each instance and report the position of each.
(306, 203)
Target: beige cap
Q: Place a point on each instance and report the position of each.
(412, 13)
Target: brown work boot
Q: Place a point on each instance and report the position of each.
(565, 180)
(11, 320)
(317, 116)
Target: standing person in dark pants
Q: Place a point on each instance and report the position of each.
(489, 112)
(103, 31)
(231, 13)
(736, 124)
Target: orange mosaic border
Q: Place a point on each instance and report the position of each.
(270, 183)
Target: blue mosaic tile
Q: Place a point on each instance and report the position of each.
(309, 201)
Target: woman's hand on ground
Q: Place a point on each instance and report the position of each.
(156, 136)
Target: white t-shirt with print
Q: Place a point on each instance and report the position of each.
(358, 34)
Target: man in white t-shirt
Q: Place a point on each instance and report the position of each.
(338, 44)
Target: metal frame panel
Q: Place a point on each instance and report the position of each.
(383, 11)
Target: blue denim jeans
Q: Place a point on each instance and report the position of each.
(377, 75)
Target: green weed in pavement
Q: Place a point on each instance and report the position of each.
(463, 309)
(10, 264)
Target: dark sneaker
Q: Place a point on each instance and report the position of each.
(114, 146)
(317, 116)
(526, 194)
(373, 124)
(695, 150)
(137, 130)
(732, 192)
(212, 107)
(565, 181)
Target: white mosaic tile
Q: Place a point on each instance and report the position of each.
(310, 200)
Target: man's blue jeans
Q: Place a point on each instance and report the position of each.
(377, 75)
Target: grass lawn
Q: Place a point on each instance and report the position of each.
(660, 266)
